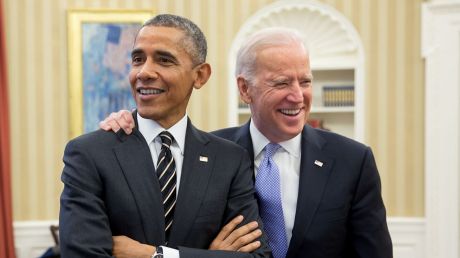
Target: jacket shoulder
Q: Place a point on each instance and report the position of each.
(227, 133)
(223, 143)
(338, 143)
(95, 140)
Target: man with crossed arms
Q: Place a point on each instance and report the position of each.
(326, 187)
(166, 187)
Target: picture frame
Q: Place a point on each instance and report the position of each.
(99, 57)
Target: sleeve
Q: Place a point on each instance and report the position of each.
(241, 200)
(83, 222)
(369, 231)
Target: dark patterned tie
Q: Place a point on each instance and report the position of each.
(166, 171)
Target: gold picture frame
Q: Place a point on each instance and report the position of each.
(84, 22)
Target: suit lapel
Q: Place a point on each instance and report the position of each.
(312, 181)
(135, 159)
(196, 171)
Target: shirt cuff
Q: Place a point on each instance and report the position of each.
(169, 252)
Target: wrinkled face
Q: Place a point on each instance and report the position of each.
(162, 75)
(281, 93)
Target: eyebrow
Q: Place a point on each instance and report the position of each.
(284, 79)
(281, 79)
(165, 54)
(136, 51)
(308, 76)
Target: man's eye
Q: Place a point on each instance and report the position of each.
(165, 61)
(305, 83)
(136, 60)
(281, 84)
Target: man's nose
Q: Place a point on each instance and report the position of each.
(147, 72)
(296, 92)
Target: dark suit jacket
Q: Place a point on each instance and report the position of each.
(340, 212)
(111, 188)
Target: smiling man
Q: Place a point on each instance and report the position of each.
(167, 187)
(329, 185)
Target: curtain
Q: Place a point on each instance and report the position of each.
(6, 220)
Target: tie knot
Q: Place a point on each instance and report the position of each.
(270, 149)
(166, 138)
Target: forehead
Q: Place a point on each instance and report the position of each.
(283, 60)
(153, 37)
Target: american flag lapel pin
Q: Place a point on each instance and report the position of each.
(203, 159)
(319, 163)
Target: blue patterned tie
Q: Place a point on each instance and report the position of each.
(269, 194)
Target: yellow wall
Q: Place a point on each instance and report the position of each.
(37, 63)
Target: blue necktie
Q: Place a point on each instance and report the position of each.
(271, 211)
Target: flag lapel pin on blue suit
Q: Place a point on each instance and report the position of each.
(203, 159)
(319, 163)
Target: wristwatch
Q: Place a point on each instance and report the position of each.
(158, 253)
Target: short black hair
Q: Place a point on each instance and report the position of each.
(194, 42)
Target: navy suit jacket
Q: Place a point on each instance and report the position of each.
(340, 212)
(111, 188)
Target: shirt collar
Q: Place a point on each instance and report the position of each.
(150, 129)
(259, 141)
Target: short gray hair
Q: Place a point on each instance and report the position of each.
(194, 42)
(269, 37)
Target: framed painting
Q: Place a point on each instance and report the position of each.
(99, 49)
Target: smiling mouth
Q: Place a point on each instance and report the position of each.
(147, 92)
(290, 112)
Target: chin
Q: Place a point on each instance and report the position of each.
(293, 132)
(145, 113)
(141, 111)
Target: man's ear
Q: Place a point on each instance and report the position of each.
(203, 73)
(244, 88)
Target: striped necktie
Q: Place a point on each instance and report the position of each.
(166, 171)
(271, 210)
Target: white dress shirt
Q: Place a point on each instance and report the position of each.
(151, 130)
(287, 158)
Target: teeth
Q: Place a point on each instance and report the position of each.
(150, 91)
(290, 112)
